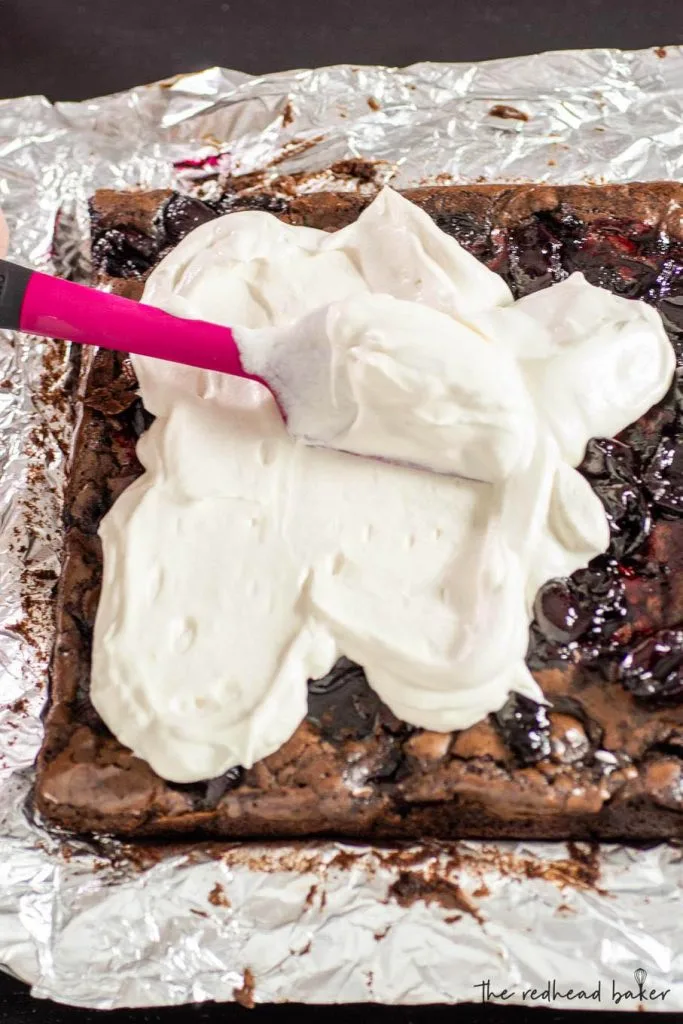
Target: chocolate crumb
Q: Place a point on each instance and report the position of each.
(217, 897)
(453, 918)
(47, 575)
(564, 908)
(199, 913)
(287, 114)
(355, 167)
(245, 995)
(508, 113)
(410, 888)
(21, 628)
(19, 706)
(587, 860)
(302, 952)
(344, 860)
(310, 896)
(482, 891)
(6, 384)
(295, 148)
(383, 934)
(373, 103)
(661, 51)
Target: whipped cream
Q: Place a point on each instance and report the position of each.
(244, 562)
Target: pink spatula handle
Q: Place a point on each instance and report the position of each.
(50, 307)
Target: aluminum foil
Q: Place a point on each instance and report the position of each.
(102, 924)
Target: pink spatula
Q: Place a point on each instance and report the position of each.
(52, 308)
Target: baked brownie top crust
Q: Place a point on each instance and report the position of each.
(604, 759)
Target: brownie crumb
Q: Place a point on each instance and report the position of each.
(217, 897)
(19, 706)
(345, 860)
(295, 148)
(410, 888)
(373, 103)
(21, 628)
(45, 575)
(586, 860)
(287, 114)
(245, 995)
(363, 170)
(661, 51)
(508, 113)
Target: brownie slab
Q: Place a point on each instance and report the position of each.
(603, 759)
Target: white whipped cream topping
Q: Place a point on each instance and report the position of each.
(244, 562)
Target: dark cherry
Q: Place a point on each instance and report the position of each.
(653, 671)
(602, 584)
(667, 292)
(524, 726)
(562, 611)
(342, 704)
(644, 435)
(579, 618)
(125, 254)
(182, 214)
(140, 420)
(621, 256)
(470, 233)
(610, 262)
(664, 475)
(611, 469)
(534, 256)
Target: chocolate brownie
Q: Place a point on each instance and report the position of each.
(603, 759)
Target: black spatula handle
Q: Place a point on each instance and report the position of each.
(13, 284)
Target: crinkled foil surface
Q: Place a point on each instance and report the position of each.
(104, 925)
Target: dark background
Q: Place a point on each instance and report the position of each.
(72, 50)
